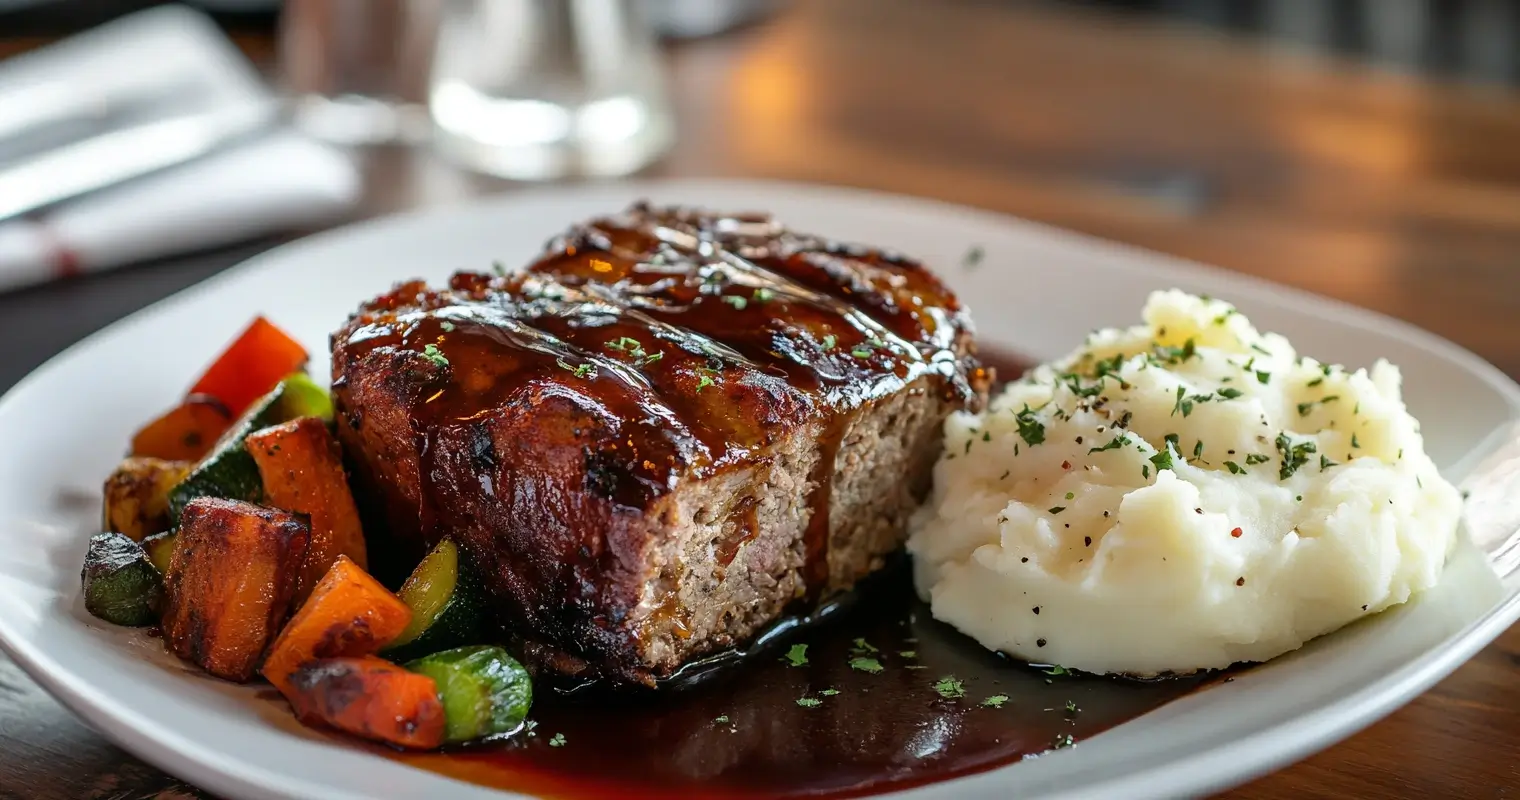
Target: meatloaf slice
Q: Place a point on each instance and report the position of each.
(671, 428)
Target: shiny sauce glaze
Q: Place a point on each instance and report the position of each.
(882, 698)
(640, 351)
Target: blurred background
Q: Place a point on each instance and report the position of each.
(1368, 150)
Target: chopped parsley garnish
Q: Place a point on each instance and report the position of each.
(433, 354)
(797, 655)
(448, 327)
(1145, 471)
(828, 342)
(1118, 442)
(1163, 459)
(1305, 408)
(705, 378)
(1235, 469)
(721, 720)
(736, 301)
(1263, 377)
(763, 294)
(1071, 707)
(860, 645)
(1325, 463)
(1315, 382)
(1057, 670)
(1071, 495)
(908, 653)
(950, 687)
(864, 664)
(1229, 393)
(1198, 449)
(809, 702)
(1031, 430)
(973, 257)
(579, 370)
(499, 268)
(995, 701)
(1256, 458)
(557, 740)
(829, 692)
(1258, 348)
(1294, 455)
(1064, 741)
(1057, 509)
(1354, 442)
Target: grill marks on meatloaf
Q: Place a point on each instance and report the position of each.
(560, 406)
(743, 336)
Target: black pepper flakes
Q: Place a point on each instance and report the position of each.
(1079, 440)
(1039, 643)
(1198, 510)
(1036, 609)
(1024, 560)
(1087, 541)
(1241, 581)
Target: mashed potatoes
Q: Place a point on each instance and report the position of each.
(1180, 495)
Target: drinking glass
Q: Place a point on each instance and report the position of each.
(543, 89)
(357, 69)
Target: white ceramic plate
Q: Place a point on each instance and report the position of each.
(1038, 291)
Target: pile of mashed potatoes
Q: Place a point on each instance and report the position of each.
(1181, 495)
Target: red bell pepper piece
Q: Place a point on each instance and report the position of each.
(252, 366)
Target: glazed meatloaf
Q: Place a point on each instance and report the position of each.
(669, 430)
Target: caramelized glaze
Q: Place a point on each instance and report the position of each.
(545, 414)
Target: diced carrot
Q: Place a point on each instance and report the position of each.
(229, 583)
(370, 697)
(186, 433)
(251, 366)
(349, 614)
(301, 465)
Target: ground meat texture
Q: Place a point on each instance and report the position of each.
(661, 435)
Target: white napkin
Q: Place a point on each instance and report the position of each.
(278, 181)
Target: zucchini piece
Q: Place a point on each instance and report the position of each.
(137, 496)
(485, 692)
(228, 471)
(160, 549)
(120, 585)
(446, 605)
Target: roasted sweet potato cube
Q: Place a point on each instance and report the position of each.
(186, 432)
(302, 469)
(137, 496)
(348, 614)
(230, 583)
(370, 697)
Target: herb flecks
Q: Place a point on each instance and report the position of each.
(1057, 669)
(973, 257)
(864, 664)
(433, 354)
(579, 370)
(950, 687)
(797, 655)
(1031, 430)
(1294, 454)
(809, 702)
(557, 740)
(995, 701)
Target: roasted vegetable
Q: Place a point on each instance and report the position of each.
(301, 467)
(369, 697)
(446, 604)
(251, 366)
(230, 582)
(228, 471)
(349, 614)
(187, 432)
(120, 586)
(137, 496)
(160, 549)
(485, 692)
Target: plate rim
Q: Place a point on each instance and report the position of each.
(1200, 772)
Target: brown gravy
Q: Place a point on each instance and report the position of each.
(923, 716)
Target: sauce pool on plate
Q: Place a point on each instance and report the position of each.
(880, 697)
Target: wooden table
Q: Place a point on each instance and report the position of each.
(1384, 190)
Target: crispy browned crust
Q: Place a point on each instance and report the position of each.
(607, 497)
